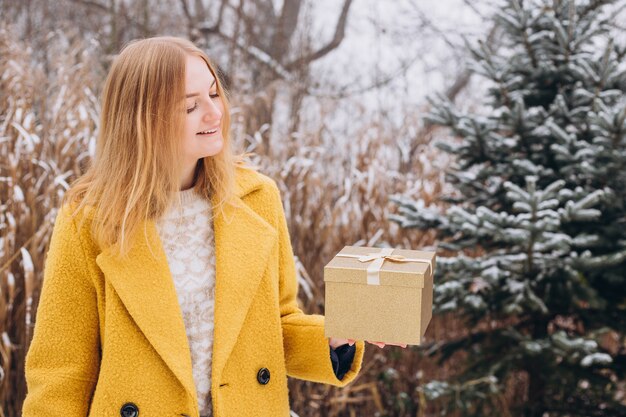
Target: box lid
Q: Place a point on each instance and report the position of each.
(403, 274)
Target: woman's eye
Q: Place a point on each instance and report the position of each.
(195, 106)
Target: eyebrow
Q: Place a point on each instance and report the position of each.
(197, 94)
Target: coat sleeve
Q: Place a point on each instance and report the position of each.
(307, 352)
(63, 360)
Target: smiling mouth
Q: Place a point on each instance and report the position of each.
(208, 132)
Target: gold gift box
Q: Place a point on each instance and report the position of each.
(379, 294)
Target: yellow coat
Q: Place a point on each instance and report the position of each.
(110, 333)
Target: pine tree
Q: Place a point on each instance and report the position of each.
(540, 195)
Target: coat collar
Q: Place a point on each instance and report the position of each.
(142, 280)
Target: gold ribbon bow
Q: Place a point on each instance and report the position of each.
(373, 270)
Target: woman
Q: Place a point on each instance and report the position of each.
(169, 286)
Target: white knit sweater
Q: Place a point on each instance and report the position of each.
(187, 235)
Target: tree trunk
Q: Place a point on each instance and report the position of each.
(536, 381)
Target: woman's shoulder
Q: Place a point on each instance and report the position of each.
(75, 217)
(76, 211)
(249, 179)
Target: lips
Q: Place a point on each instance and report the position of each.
(208, 131)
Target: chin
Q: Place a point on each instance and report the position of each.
(213, 150)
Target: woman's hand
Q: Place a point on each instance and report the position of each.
(335, 343)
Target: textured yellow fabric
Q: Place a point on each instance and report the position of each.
(110, 331)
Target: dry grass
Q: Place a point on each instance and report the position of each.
(47, 123)
(333, 196)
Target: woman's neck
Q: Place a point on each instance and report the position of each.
(190, 175)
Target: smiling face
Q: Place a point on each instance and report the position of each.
(203, 123)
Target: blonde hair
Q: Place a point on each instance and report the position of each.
(135, 173)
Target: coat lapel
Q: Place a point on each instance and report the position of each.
(145, 286)
(243, 244)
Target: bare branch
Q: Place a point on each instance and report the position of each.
(255, 53)
(203, 26)
(459, 84)
(463, 79)
(340, 31)
(287, 24)
(250, 24)
(200, 11)
(220, 13)
(93, 4)
(191, 21)
(129, 20)
(343, 92)
(265, 11)
(190, 18)
(472, 6)
(592, 6)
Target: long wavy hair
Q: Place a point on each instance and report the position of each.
(135, 174)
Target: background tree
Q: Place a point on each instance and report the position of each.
(537, 218)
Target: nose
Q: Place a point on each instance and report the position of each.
(213, 112)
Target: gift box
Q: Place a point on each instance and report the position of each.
(379, 294)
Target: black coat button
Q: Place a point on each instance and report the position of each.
(263, 376)
(129, 410)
